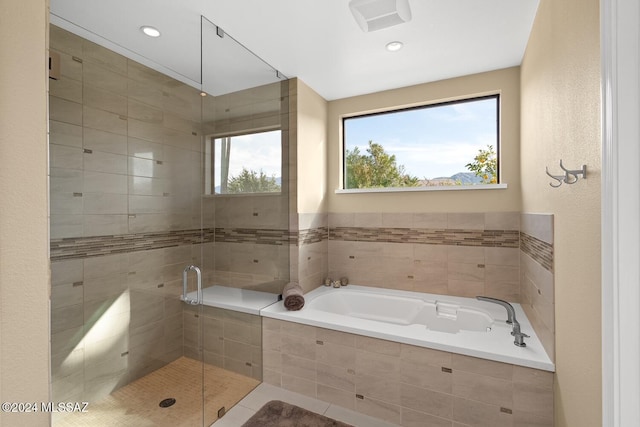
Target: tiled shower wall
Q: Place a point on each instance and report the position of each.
(125, 216)
(126, 212)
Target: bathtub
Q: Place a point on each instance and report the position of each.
(454, 324)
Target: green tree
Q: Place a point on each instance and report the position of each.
(485, 165)
(376, 168)
(250, 181)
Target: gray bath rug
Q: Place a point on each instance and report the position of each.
(280, 414)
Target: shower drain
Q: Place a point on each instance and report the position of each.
(167, 402)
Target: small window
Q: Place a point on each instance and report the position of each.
(447, 144)
(249, 163)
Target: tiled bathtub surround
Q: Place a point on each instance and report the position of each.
(229, 339)
(536, 276)
(540, 251)
(463, 254)
(484, 238)
(309, 257)
(404, 384)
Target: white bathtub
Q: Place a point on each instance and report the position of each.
(454, 324)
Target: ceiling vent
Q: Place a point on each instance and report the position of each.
(373, 15)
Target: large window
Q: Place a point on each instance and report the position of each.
(446, 144)
(249, 163)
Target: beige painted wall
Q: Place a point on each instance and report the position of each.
(24, 235)
(561, 120)
(312, 150)
(506, 82)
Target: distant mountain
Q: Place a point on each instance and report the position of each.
(466, 178)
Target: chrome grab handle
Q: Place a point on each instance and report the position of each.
(185, 273)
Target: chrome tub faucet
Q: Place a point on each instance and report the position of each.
(518, 335)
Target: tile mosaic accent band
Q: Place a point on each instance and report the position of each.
(312, 235)
(257, 236)
(485, 238)
(540, 251)
(95, 246)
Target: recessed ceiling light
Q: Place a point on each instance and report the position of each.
(394, 46)
(150, 31)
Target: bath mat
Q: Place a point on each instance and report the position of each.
(280, 414)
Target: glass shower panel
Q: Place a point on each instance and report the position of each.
(126, 168)
(245, 185)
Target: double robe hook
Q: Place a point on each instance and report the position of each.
(569, 177)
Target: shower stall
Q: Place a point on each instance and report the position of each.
(153, 180)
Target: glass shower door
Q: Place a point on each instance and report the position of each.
(245, 215)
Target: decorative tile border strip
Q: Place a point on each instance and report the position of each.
(95, 246)
(259, 236)
(312, 235)
(485, 238)
(540, 251)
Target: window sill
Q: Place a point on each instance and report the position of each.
(422, 189)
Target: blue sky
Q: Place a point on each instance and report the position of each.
(258, 151)
(429, 142)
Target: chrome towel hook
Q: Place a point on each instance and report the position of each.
(569, 177)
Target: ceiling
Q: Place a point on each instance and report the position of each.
(317, 41)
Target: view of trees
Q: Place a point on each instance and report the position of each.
(485, 165)
(250, 181)
(376, 168)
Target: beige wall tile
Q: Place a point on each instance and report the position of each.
(502, 220)
(425, 375)
(299, 385)
(482, 367)
(64, 318)
(61, 133)
(478, 414)
(335, 396)
(298, 346)
(386, 367)
(145, 149)
(94, 53)
(436, 221)
(299, 367)
(62, 226)
(105, 162)
(379, 346)
(373, 386)
(61, 156)
(379, 409)
(337, 377)
(68, 89)
(411, 418)
(98, 182)
(65, 41)
(98, 76)
(502, 256)
(104, 120)
(104, 203)
(336, 355)
(539, 226)
(336, 337)
(429, 401)
(65, 111)
(465, 288)
(465, 254)
(465, 271)
(104, 100)
(482, 388)
(465, 221)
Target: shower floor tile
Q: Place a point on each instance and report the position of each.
(137, 404)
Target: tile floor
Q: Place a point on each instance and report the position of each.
(266, 392)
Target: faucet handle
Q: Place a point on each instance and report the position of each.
(519, 338)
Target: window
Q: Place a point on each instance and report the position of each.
(446, 144)
(249, 163)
